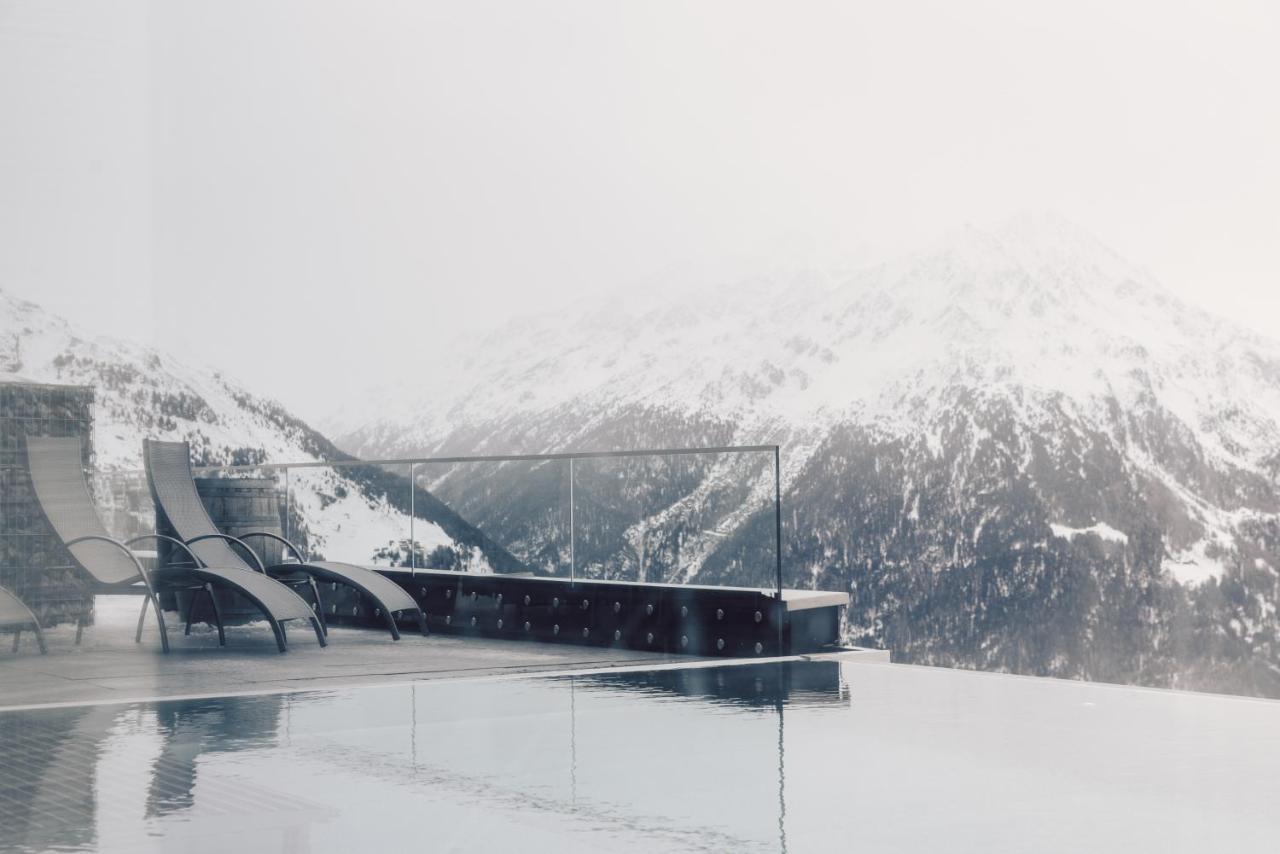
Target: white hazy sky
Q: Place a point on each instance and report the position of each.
(329, 189)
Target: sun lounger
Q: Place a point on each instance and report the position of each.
(174, 490)
(57, 473)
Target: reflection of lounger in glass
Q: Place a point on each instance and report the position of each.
(57, 473)
(14, 614)
(174, 490)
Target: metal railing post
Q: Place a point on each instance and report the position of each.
(288, 520)
(572, 543)
(777, 533)
(413, 543)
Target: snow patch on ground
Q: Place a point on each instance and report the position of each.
(1194, 565)
(1101, 530)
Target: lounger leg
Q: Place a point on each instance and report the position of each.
(422, 622)
(17, 636)
(278, 629)
(164, 631)
(391, 624)
(316, 624)
(315, 591)
(142, 616)
(191, 607)
(217, 615)
(44, 650)
(80, 627)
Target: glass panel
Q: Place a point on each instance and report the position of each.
(354, 513)
(510, 516)
(676, 519)
(703, 519)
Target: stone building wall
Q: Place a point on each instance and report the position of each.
(33, 562)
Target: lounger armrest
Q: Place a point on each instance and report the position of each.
(279, 539)
(173, 541)
(142, 570)
(235, 541)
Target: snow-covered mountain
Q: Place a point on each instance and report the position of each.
(355, 513)
(1014, 447)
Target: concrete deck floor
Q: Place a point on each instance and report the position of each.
(109, 666)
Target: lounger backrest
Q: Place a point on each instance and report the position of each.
(173, 487)
(56, 466)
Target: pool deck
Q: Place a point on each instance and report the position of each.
(108, 666)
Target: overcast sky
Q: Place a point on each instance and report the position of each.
(346, 183)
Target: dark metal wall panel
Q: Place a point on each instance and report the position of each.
(674, 619)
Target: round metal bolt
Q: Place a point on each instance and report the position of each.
(355, 609)
(684, 610)
(759, 647)
(448, 594)
(617, 606)
(424, 591)
(473, 621)
(617, 634)
(555, 602)
(585, 604)
(649, 637)
(333, 609)
(448, 620)
(526, 625)
(719, 643)
(526, 600)
(377, 612)
(684, 640)
(648, 609)
(759, 616)
(499, 623)
(499, 597)
(473, 596)
(555, 630)
(585, 633)
(719, 613)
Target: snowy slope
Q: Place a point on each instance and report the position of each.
(142, 393)
(1010, 431)
(1035, 311)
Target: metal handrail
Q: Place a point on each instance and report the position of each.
(496, 458)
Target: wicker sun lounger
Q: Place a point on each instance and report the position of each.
(173, 487)
(57, 473)
(14, 614)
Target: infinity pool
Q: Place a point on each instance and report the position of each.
(811, 756)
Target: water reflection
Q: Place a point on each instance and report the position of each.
(620, 758)
(48, 784)
(190, 731)
(754, 759)
(762, 688)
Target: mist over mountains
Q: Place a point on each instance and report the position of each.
(1014, 448)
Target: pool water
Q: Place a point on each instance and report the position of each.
(805, 756)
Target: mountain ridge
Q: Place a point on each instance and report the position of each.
(357, 512)
(1030, 391)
